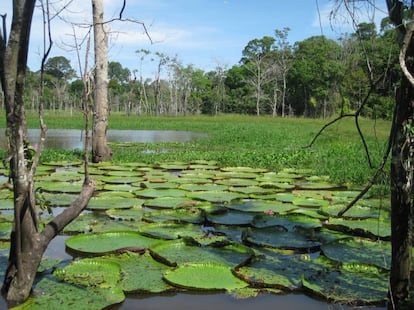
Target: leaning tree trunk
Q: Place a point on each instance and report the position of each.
(100, 149)
(27, 243)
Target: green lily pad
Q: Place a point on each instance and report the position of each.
(356, 288)
(244, 169)
(5, 230)
(261, 206)
(97, 203)
(237, 182)
(60, 187)
(178, 252)
(356, 212)
(157, 185)
(204, 276)
(132, 214)
(169, 202)
(358, 250)
(49, 294)
(89, 272)
(215, 196)
(365, 227)
(59, 199)
(285, 197)
(290, 221)
(231, 218)
(278, 237)
(120, 179)
(203, 187)
(310, 202)
(108, 242)
(140, 273)
(128, 188)
(181, 215)
(6, 204)
(266, 271)
(170, 231)
(249, 190)
(155, 193)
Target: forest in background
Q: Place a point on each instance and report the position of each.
(316, 77)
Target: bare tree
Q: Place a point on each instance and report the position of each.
(27, 242)
(100, 149)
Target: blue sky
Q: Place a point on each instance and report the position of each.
(205, 33)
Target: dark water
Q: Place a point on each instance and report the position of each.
(74, 138)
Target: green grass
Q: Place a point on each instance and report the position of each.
(235, 140)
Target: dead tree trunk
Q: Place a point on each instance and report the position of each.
(100, 149)
(27, 243)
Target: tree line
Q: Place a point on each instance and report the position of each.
(316, 77)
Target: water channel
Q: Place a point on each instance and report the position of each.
(74, 138)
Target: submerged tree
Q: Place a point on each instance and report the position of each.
(28, 242)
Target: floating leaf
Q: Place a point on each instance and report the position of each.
(50, 294)
(181, 215)
(169, 202)
(215, 196)
(358, 250)
(364, 227)
(170, 231)
(97, 203)
(108, 242)
(90, 272)
(290, 221)
(204, 276)
(154, 193)
(261, 206)
(132, 214)
(177, 252)
(231, 218)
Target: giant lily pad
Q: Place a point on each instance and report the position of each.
(215, 196)
(97, 203)
(108, 242)
(289, 221)
(49, 294)
(356, 288)
(204, 276)
(140, 273)
(261, 206)
(89, 272)
(231, 218)
(178, 252)
(358, 250)
(181, 215)
(132, 214)
(278, 237)
(364, 227)
(168, 202)
(356, 212)
(170, 230)
(154, 193)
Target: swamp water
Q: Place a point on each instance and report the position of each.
(229, 197)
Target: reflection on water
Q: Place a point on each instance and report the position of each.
(74, 138)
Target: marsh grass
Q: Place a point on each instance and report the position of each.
(237, 140)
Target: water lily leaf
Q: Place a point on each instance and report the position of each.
(356, 212)
(156, 185)
(5, 230)
(289, 221)
(132, 214)
(172, 166)
(50, 294)
(178, 252)
(358, 250)
(244, 169)
(310, 202)
(181, 215)
(128, 188)
(248, 190)
(365, 227)
(169, 202)
(108, 242)
(237, 175)
(98, 203)
(203, 187)
(114, 192)
(322, 185)
(60, 187)
(237, 182)
(266, 271)
(215, 196)
(59, 199)
(278, 237)
(285, 197)
(155, 193)
(60, 176)
(261, 206)
(6, 204)
(170, 231)
(277, 185)
(120, 179)
(231, 218)
(140, 273)
(204, 276)
(354, 288)
(90, 272)
(47, 264)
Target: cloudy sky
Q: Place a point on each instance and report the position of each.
(204, 33)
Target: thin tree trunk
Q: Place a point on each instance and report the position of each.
(100, 149)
